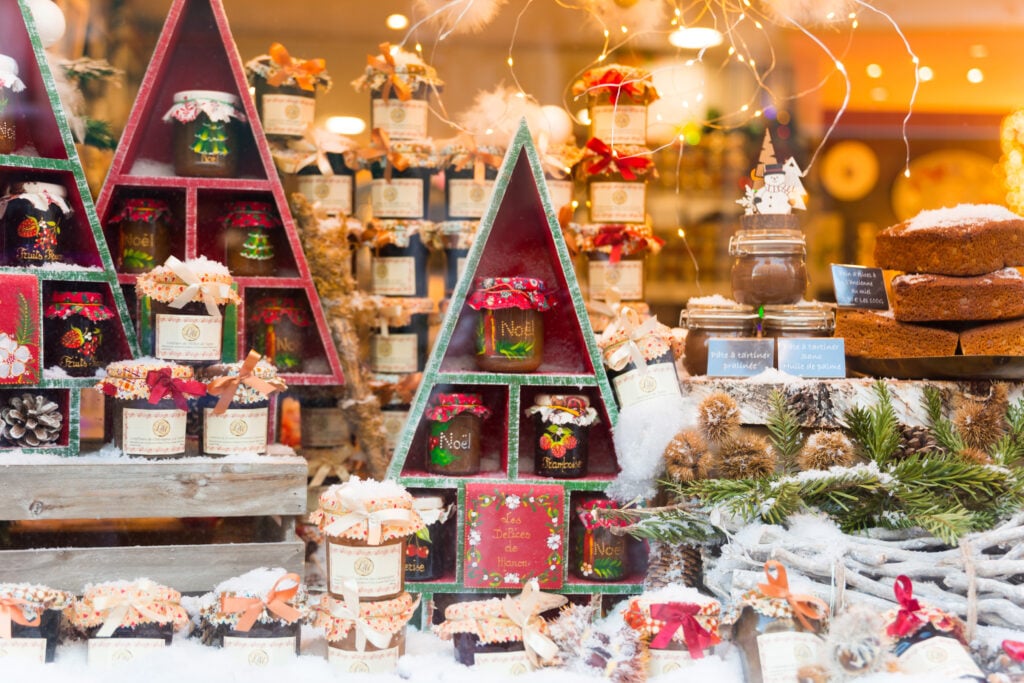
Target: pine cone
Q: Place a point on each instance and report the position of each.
(686, 457)
(30, 421)
(915, 440)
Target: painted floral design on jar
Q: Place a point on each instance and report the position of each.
(453, 442)
(510, 329)
(562, 432)
(277, 329)
(33, 215)
(599, 553)
(76, 331)
(249, 235)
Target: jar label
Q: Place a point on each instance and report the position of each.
(377, 570)
(561, 192)
(187, 337)
(625, 278)
(393, 275)
(618, 202)
(236, 430)
(260, 651)
(666, 661)
(401, 120)
(287, 114)
(332, 192)
(468, 198)
(323, 427)
(394, 422)
(394, 353)
(370, 662)
(782, 654)
(619, 124)
(110, 652)
(504, 663)
(660, 381)
(23, 650)
(938, 655)
(401, 198)
(153, 432)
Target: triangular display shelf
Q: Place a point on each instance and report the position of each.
(518, 236)
(196, 51)
(46, 153)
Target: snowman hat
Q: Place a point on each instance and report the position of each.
(773, 169)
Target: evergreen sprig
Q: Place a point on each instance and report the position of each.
(942, 428)
(876, 429)
(674, 524)
(784, 429)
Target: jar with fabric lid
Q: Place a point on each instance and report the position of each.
(144, 234)
(367, 524)
(677, 625)
(256, 617)
(206, 135)
(598, 553)
(276, 327)
(510, 329)
(399, 83)
(364, 637)
(147, 405)
(618, 97)
(454, 423)
(639, 358)
(235, 413)
(557, 162)
(401, 178)
(398, 342)
(428, 552)
(706, 321)
(398, 261)
(185, 302)
(616, 180)
(35, 218)
(768, 267)
(615, 260)
(454, 238)
(321, 167)
(469, 174)
(35, 614)
(285, 90)
(10, 86)
(561, 430)
(75, 334)
(250, 236)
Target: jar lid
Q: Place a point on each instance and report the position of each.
(270, 310)
(347, 511)
(279, 68)
(448, 406)
(388, 617)
(525, 293)
(142, 210)
(617, 80)
(250, 215)
(36, 597)
(217, 105)
(139, 368)
(811, 316)
(8, 66)
(55, 189)
(205, 277)
(427, 503)
(717, 316)
(87, 304)
(183, 96)
(574, 401)
(589, 513)
(757, 242)
(144, 601)
(395, 64)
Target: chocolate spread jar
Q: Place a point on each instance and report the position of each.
(768, 267)
(705, 322)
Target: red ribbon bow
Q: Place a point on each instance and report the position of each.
(13, 610)
(252, 608)
(1014, 649)
(304, 71)
(162, 383)
(609, 159)
(804, 607)
(615, 82)
(678, 615)
(386, 63)
(907, 620)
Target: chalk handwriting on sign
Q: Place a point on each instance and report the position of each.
(812, 357)
(740, 357)
(859, 287)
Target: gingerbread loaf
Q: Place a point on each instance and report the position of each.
(924, 297)
(996, 339)
(877, 334)
(969, 239)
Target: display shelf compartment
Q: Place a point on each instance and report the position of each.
(176, 202)
(636, 554)
(212, 241)
(67, 402)
(114, 348)
(253, 334)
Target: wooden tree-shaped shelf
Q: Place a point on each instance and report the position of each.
(518, 236)
(196, 51)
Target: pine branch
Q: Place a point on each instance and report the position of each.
(942, 429)
(675, 524)
(876, 429)
(784, 429)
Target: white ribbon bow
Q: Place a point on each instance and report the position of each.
(358, 513)
(349, 610)
(629, 349)
(211, 291)
(521, 611)
(141, 598)
(316, 143)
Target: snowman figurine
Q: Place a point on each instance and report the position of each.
(774, 196)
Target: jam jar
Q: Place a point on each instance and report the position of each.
(147, 405)
(768, 267)
(365, 637)
(399, 83)
(398, 344)
(678, 624)
(285, 91)
(75, 330)
(704, 322)
(617, 181)
(326, 176)
(367, 524)
(510, 329)
(277, 328)
(144, 234)
(561, 430)
(250, 236)
(456, 238)
(598, 553)
(398, 263)
(428, 552)
(35, 613)
(615, 260)
(469, 179)
(36, 219)
(639, 359)
(10, 86)
(186, 316)
(235, 414)
(618, 97)
(322, 422)
(206, 136)
(401, 179)
(454, 444)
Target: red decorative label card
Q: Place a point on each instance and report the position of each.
(514, 532)
(19, 330)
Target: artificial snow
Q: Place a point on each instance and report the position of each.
(152, 168)
(962, 214)
(712, 300)
(643, 432)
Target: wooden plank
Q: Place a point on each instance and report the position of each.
(187, 568)
(78, 488)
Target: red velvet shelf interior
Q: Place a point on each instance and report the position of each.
(115, 346)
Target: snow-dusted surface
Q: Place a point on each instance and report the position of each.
(960, 214)
(110, 454)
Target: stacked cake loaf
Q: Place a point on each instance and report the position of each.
(959, 291)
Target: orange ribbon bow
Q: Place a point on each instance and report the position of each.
(804, 606)
(304, 71)
(480, 160)
(13, 610)
(225, 387)
(252, 608)
(386, 63)
(381, 147)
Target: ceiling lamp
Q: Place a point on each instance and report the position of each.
(345, 125)
(696, 38)
(396, 22)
